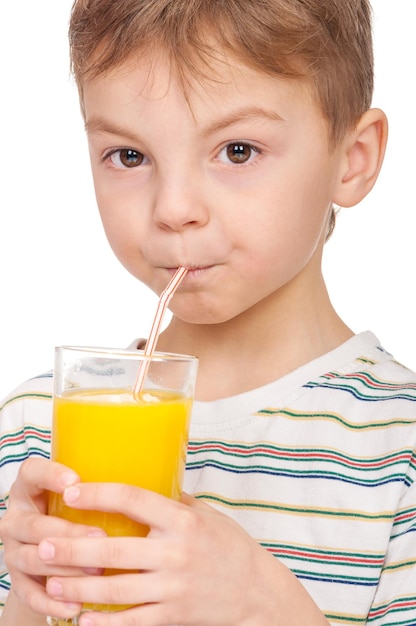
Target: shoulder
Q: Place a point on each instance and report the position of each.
(367, 393)
(30, 401)
(25, 428)
(379, 377)
(371, 373)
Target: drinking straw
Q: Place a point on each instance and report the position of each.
(164, 299)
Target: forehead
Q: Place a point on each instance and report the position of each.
(153, 82)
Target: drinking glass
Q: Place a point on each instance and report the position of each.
(107, 430)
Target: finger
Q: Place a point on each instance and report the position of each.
(26, 559)
(123, 553)
(119, 589)
(141, 505)
(38, 526)
(33, 594)
(37, 475)
(144, 615)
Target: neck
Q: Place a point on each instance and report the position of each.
(273, 338)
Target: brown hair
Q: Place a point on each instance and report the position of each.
(326, 41)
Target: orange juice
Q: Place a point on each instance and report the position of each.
(109, 436)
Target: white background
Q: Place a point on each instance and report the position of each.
(59, 282)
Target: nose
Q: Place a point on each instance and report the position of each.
(179, 203)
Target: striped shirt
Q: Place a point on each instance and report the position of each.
(319, 467)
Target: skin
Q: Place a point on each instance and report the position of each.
(237, 186)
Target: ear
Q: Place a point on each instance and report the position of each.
(362, 154)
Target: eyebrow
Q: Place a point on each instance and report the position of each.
(101, 125)
(242, 115)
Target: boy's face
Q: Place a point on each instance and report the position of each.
(236, 185)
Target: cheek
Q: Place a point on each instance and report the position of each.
(122, 232)
(309, 199)
(289, 227)
(293, 212)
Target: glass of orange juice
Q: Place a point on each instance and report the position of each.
(107, 430)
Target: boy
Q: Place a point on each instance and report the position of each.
(221, 135)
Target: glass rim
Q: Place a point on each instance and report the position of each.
(126, 353)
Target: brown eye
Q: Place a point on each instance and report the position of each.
(239, 152)
(127, 158)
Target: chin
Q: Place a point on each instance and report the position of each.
(201, 315)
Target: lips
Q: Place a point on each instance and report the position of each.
(194, 271)
(191, 267)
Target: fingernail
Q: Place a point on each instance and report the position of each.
(93, 571)
(46, 550)
(54, 588)
(71, 494)
(86, 621)
(96, 532)
(73, 606)
(68, 478)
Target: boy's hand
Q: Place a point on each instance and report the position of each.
(196, 566)
(25, 524)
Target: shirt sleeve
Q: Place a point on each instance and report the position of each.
(395, 599)
(25, 430)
